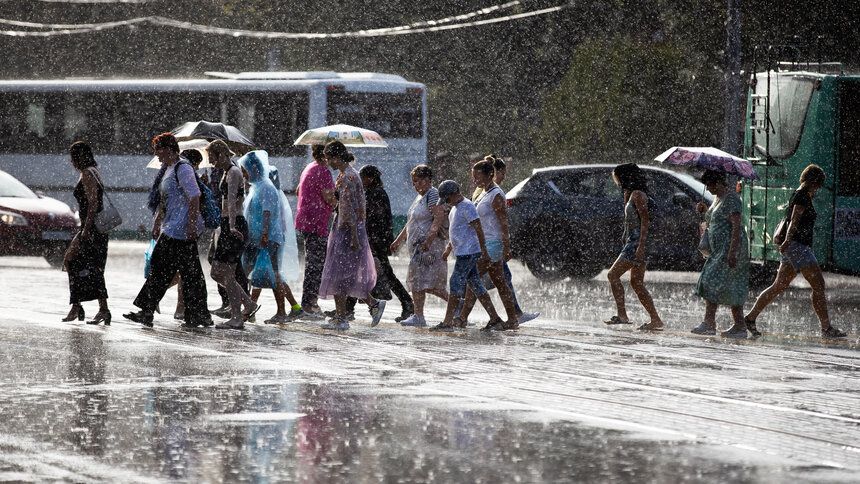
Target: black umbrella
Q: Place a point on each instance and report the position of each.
(235, 139)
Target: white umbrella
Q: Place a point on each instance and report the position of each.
(346, 134)
(194, 144)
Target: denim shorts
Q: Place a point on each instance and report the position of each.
(494, 248)
(628, 252)
(466, 273)
(799, 256)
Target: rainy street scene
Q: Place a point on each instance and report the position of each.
(472, 241)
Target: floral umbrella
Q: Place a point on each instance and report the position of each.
(709, 159)
(346, 134)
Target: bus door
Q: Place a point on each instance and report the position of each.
(846, 218)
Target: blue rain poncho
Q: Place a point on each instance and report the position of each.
(263, 196)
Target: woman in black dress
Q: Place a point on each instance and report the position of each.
(87, 254)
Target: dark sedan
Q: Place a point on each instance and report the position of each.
(31, 224)
(569, 220)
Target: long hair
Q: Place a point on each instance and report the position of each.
(82, 155)
(336, 148)
(630, 177)
(372, 172)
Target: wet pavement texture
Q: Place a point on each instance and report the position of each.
(564, 399)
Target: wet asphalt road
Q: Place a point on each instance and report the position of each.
(564, 399)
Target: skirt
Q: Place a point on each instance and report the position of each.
(421, 276)
(347, 272)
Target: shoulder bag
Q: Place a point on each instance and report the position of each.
(780, 232)
(109, 217)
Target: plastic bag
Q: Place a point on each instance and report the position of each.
(263, 275)
(147, 266)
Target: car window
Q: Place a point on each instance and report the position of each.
(11, 187)
(661, 187)
(596, 184)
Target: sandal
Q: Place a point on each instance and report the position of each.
(616, 320)
(507, 326)
(649, 327)
(832, 332)
(750, 324)
(495, 325)
(459, 322)
(442, 327)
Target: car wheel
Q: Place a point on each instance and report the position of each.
(546, 267)
(584, 271)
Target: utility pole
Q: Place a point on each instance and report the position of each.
(731, 123)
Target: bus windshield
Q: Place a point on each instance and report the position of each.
(789, 101)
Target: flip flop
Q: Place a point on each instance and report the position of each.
(647, 327)
(616, 320)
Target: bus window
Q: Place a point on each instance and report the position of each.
(849, 140)
(390, 115)
(272, 119)
(789, 101)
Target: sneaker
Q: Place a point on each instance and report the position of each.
(526, 317)
(404, 315)
(832, 332)
(376, 312)
(295, 314)
(231, 324)
(224, 313)
(750, 324)
(277, 319)
(142, 317)
(329, 314)
(442, 328)
(735, 333)
(704, 329)
(336, 325)
(179, 316)
(317, 316)
(413, 320)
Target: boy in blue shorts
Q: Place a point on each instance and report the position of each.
(468, 244)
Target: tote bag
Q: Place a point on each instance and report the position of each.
(109, 218)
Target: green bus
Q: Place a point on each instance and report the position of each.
(795, 118)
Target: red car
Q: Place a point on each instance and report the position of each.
(33, 225)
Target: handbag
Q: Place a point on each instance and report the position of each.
(705, 244)
(780, 232)
(109, 218)
(263, 274)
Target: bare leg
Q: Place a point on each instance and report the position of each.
(468, 305)
(340, 306)
(813, 276)
(738, 317)
(418, 301)
(710, 314)
(637, 283)
(453, 303)
(488, 306)
(784, 276)
(255, 294)
(443, 295)
(497, 275)
(615, 272)
(103, 305)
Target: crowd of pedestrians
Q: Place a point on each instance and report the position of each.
(346, 227)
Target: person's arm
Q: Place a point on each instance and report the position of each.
(796, 215)
(448, 249)
(641, 202)
(91, 188)
(501, 211)
(398, 241)
(156, 224)
(187, 181)
(438, 212)
(476, 224)
(329, 198)
(735, 220)
(326, 187)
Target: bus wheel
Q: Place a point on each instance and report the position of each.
(762, 275)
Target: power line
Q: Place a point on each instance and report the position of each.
(414, 28)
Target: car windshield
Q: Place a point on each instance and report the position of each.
(11, 187)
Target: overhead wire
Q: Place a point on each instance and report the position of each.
(447, 23)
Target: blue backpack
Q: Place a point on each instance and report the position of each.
(208, 208)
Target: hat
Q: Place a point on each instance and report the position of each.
(446, 188)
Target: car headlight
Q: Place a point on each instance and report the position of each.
(13, 219)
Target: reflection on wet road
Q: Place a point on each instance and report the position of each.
(563, 399)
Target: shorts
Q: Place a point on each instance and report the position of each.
(800, 256)
(229, 247)
(494, 248)
(628, 252)
(466, 273)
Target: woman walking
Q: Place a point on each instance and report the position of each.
(232, 236)
(349, 269)
(380, 238)
(634, 254)
(86, 256)
(425, 238)
(316, 201)
(725, 276)
(797, 255)
(270, 228)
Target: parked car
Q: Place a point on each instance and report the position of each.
(569, 220)
(33, 225)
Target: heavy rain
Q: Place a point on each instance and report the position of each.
(662, 199)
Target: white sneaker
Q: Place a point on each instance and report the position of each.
(336, 325)
(376, 312)
(525, 317)
(413, 320)
(295, 314)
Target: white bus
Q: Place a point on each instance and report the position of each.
(39, 119)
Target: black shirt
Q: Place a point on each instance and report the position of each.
(801, 198)
(379, 229)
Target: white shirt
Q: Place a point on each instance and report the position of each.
(464, 239)
(489, 220)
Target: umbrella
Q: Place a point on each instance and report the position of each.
(194, 144)
(346, 134)
(709, 159)
(235, 139)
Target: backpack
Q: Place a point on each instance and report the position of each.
(208, 207)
